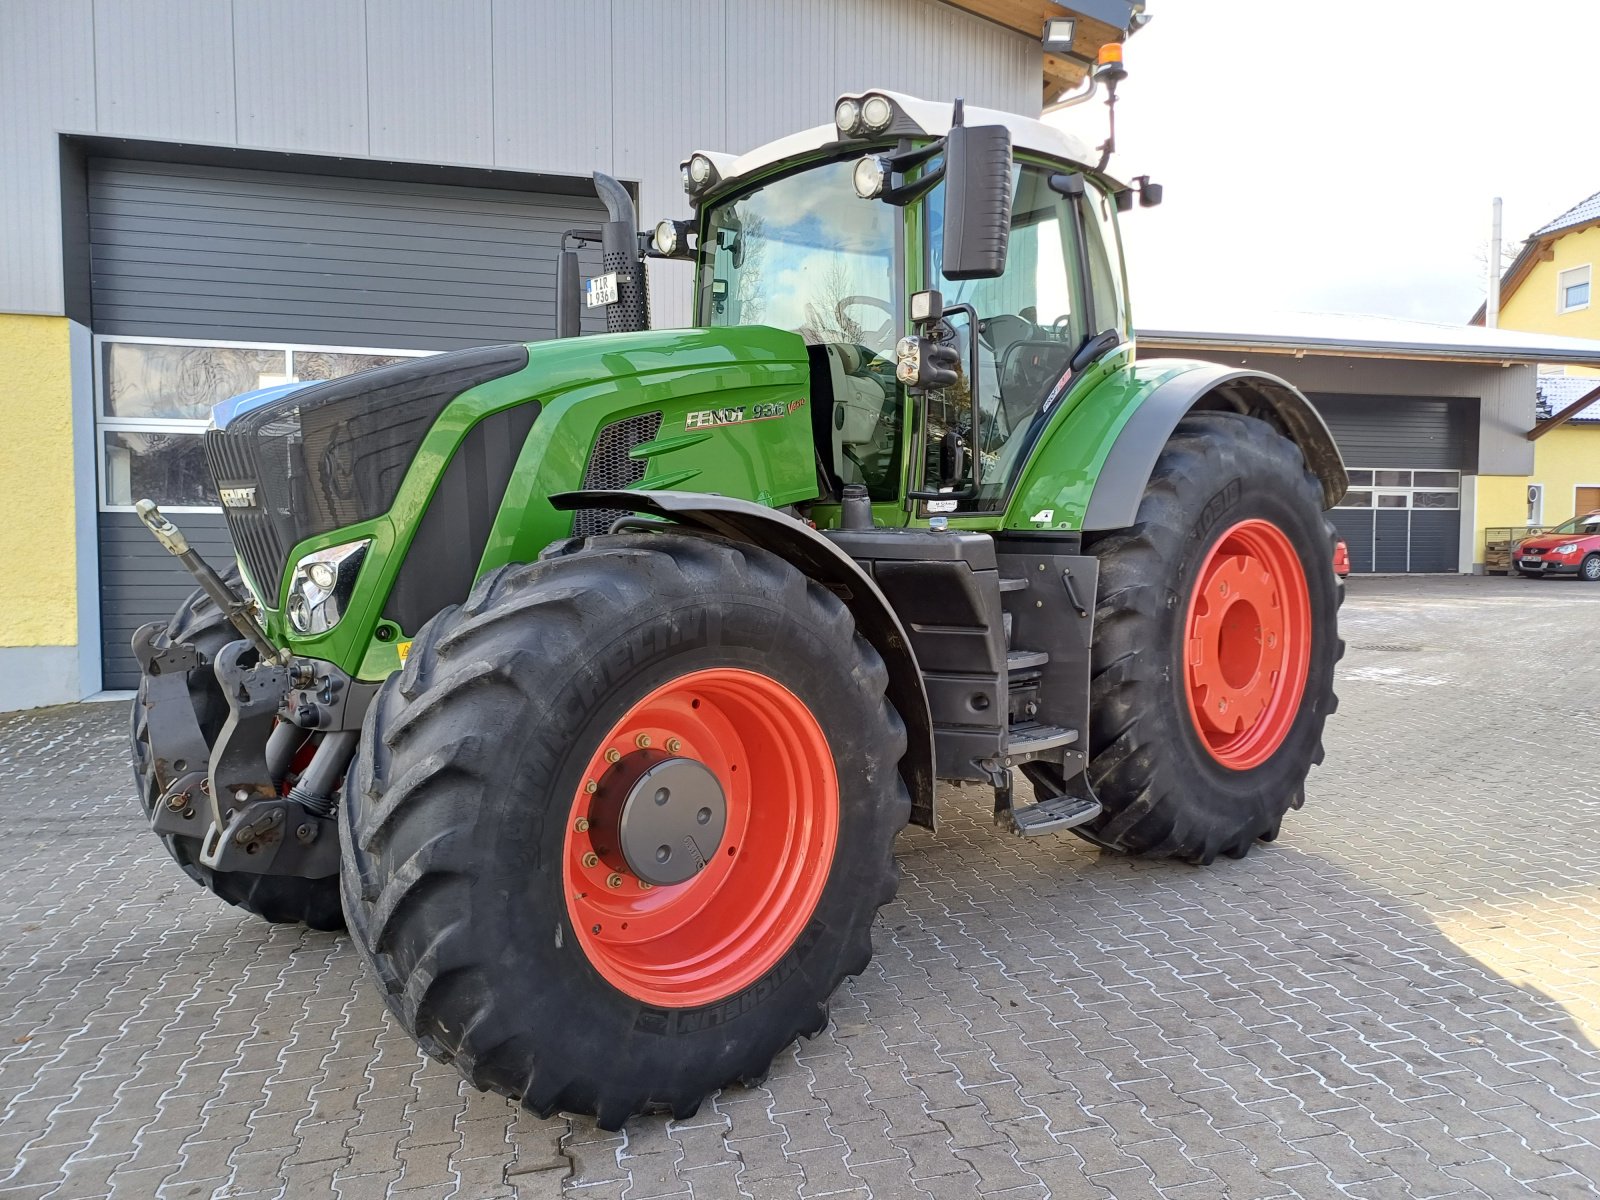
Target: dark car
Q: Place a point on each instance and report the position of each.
(1572, 548)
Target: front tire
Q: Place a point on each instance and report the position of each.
(1216, 634)
(279, 899)
(486, 869)
(1589, 569)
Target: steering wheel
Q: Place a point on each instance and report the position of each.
(882, 306)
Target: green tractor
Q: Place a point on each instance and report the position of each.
(590, 681)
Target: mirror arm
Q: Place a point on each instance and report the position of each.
(966, 493)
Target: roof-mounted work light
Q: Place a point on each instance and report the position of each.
(1059, 34)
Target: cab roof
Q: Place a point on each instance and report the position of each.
(933, 117)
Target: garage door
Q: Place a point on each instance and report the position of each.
(210, 281)
(1406, 456)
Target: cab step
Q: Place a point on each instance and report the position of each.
(1030, 739)
(1024, 660)
(1055, 815)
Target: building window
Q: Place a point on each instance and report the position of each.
(1573, 289)
(1373, 488)
(155, 399)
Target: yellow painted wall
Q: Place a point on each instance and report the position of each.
(38, 585)
(1565, 457)
(1535, 307)
(1501, 500)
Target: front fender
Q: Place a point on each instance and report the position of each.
(1091, 465)
(816, 557)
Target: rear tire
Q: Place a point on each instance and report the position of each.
(1230, 499)
(276, 898)
(467, 834)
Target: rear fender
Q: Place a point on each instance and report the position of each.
(817, 558)
(1090, 470)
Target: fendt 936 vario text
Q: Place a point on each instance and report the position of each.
(590, 681)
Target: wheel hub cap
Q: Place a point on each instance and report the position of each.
(671, 819)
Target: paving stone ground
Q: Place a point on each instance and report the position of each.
(1400, 998)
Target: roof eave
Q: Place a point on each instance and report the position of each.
(1338, 348)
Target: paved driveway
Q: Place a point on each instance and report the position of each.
(1399, 998)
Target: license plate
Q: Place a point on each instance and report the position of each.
(601, 290)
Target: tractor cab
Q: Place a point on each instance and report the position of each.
(830, 234)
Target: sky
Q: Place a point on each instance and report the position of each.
(1343, 157)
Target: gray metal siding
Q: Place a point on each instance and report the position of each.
(202, 252)
(524, 85)
(140, 582)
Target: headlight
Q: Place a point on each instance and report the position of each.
(321, 585)
(869, 177)
(1569, 548)
(876, 113)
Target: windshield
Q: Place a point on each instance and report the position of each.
(1586, 525)
(805, 253)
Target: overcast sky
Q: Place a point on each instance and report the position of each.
(1343, 157)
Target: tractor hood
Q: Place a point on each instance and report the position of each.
(442, 465)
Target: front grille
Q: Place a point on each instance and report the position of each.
(610, 468)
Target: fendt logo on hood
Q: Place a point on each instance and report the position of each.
(710, 418)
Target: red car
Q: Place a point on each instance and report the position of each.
(1569, 549)
(1341, 559)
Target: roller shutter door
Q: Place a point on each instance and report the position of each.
(320, 275)
(1406, 456)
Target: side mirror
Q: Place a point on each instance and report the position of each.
(977, 201)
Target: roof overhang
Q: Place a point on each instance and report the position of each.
(1302, 334)
(1099, 23)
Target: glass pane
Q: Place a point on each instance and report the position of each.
(182, 382)
(1577, 295)
(169, 468)
(805, 253)
(329, 364)
(1435, 499)
(1392, 478)
(1105, 262)
(1438, 479)
(1361, 477)
(1391, 501)
(1029, 323)
(1356, 500)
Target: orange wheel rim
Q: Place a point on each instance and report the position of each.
(704, 939)
(1247, 644)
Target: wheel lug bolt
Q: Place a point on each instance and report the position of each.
(613, 755)
(642, 741)
(591, 787)
(674, 745)
(614, 880)
(581, 824)
(591, 859)
(645, 886)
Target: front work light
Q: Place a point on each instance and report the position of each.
(699, 173)
(876, 113)
(846, 115)
(671, 238)
(869, 176)
(321, 586)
